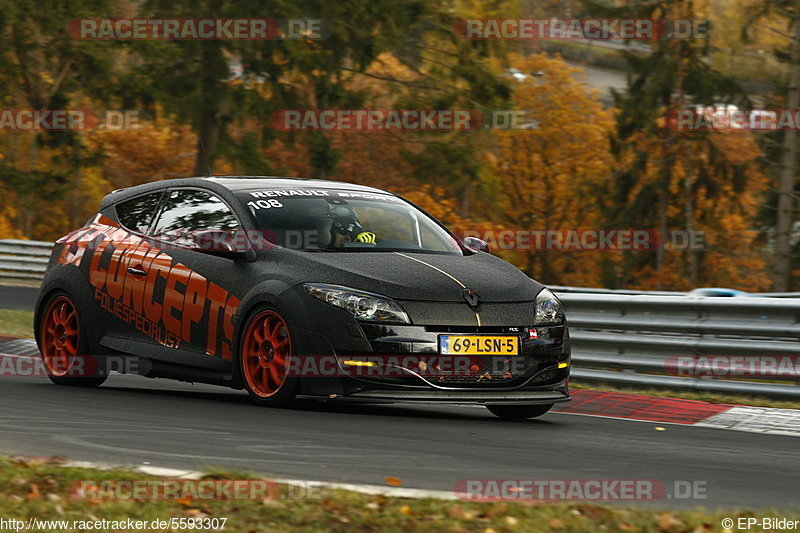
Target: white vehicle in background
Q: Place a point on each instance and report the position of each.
(723, 292)
(519, 76)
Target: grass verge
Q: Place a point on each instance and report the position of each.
(44, 489)
(16, 323)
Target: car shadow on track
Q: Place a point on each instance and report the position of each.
(342, 406)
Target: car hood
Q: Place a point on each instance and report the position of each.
(414, 276)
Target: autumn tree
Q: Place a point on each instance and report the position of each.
(664, 173)
(547, 177)
(43, 67)
(786, 157)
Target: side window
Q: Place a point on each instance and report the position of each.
(137, 214)
(187, 212)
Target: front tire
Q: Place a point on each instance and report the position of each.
(265, 352)
(519, 412)
(64, 348)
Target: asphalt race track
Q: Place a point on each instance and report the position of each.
(134, 420)
(17, 297)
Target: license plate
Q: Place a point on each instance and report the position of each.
(478, 345)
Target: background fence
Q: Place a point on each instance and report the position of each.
(648, 340)
(622, 337)
(23, 261)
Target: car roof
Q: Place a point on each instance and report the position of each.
(234, 183)
(241, 183)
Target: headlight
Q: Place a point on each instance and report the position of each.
(362, 305)
(548, 309)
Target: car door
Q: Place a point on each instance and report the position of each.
(190, 290)
(119, 253)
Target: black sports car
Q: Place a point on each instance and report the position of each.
(287, 287)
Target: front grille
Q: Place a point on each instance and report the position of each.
(489, 371)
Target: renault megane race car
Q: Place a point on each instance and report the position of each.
(286, 287)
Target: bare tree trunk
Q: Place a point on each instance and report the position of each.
(208, 117)
(688, 181)
(206, 144)
(782, 265)
(689, 214)
(663, 202)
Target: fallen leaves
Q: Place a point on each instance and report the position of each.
(331, 505)
(407, 510)
(393, 481)
(185, 502)
(33, 492)
(457, 512)
(666, 522)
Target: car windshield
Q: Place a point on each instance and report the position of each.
(345, 221)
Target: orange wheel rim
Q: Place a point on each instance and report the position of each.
(265, 352)
(60, 336)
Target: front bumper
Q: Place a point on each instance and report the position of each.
(330, 336)
(406, 366)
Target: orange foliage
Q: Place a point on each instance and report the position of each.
(546, 178)
(721, 211)
(154, 151)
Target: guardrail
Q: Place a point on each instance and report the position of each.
(622, 337)
(665, 341)
(23, 261)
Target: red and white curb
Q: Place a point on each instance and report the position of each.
(15, 346)
(756, 420)
(665, 410)
(626, 406)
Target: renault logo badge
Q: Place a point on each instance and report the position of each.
(471, 298)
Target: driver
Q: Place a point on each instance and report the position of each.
(345, 223)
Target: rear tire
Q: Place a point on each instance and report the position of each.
(64, 348)
(519, 412)
(265, 351)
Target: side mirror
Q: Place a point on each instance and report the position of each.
(476, 244)
(219, 243)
